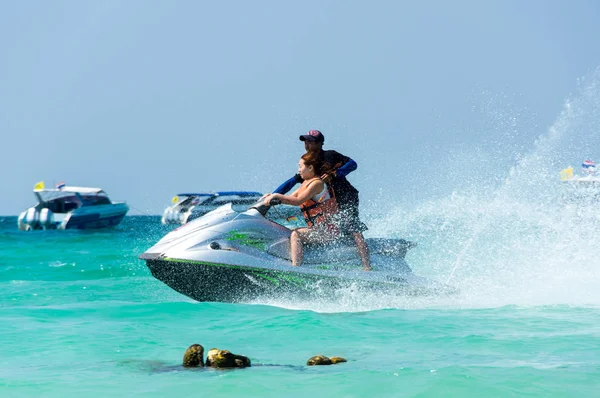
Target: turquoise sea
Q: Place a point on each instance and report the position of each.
(80, 315)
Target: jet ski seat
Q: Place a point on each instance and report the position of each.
(341, 250)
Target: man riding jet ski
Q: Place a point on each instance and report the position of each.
(227, 256)
(335, 168)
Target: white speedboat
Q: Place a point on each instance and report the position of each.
(189, 206)
(582, 189)
(67, 207)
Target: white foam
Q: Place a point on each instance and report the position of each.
(516, 242)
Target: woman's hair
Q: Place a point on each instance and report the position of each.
(314, 159)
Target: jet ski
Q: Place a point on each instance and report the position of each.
(241, 257)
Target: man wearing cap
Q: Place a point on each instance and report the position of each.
(339, 167)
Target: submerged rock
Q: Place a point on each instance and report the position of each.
(210, 355)
(319, 360)
(323, 360)
(193, 356)
(224, 359)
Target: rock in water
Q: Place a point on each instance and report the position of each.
(210, 356)
(319, 360)
(193, 356)
(224, 359)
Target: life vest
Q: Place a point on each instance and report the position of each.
(320, 209)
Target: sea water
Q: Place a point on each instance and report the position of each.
(81, 315)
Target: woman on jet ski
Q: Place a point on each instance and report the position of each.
(318, 205)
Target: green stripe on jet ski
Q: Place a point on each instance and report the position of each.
(245, 268)
(277, 277)
(293, 279)
(267, 278)
(278, 274)
(176, 260)
(243, 239)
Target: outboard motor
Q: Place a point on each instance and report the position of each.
(31, 218)
(172, 216)
(21, 222)
(46, 218)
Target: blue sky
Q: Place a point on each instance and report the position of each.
(150, 98)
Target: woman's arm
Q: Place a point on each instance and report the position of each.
(294, 199)
(288, 185)
(314, 187)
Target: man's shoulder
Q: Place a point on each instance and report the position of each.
(330, 154)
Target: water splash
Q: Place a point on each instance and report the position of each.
(507, 240)
(518, 242)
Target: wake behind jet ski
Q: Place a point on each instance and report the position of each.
(226, 256)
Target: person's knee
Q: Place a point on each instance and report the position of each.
(297, 236)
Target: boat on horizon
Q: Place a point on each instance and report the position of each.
(190, 206)
(581, 189)
(71, 207)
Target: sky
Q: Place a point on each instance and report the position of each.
(147, 99)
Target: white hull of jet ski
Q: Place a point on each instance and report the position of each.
(227, 256)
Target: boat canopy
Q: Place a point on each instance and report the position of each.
(80, 190)
(71, 197)
(196, 198)
(592, 179)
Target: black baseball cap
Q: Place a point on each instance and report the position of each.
(313, 135)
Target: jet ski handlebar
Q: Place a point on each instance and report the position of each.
(264, 208)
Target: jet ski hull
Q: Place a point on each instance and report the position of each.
(214, 282)
(233, 257)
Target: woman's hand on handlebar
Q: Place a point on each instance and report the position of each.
(272, 199)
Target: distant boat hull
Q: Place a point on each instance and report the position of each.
(94, 219)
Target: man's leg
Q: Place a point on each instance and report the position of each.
(296, 247)
(363, 250)
(356, 226)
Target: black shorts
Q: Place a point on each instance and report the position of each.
(349, 221)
